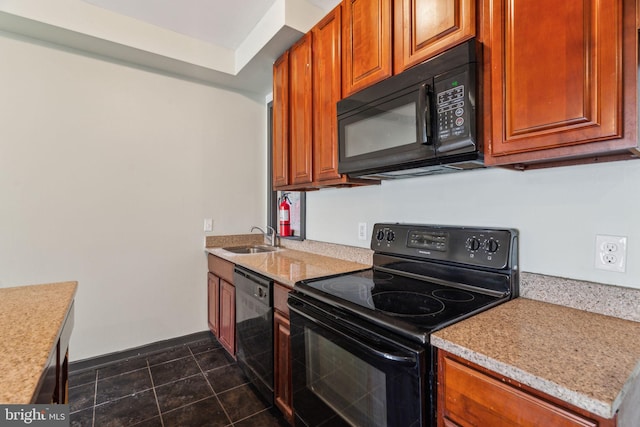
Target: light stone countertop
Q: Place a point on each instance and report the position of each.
(31, 319)
(288, 266)
(586, 359)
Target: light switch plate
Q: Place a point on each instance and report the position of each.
(208, 224)
(362, 231)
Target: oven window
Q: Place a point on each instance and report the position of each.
(351, 387)
(385, 129)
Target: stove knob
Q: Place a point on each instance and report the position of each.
(473, 244)
(391, 236)
(380, 235)
(491, 246)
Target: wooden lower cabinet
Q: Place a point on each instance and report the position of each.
(227, 336)
(283, 389)
(469, 395)
(221, 302)
(213, 306)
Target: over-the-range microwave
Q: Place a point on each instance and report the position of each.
(419, 122)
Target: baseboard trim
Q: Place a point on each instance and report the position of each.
(144, 350)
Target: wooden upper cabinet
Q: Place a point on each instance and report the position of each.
(425, 28)
(560, 78)
(280, 126)
(327, 90)
(366, 43)
(300, 113)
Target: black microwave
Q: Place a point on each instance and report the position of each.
(419, 122)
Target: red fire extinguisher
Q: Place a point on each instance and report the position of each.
(285, 211)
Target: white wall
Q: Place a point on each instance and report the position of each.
(106, 174)
(558, 211)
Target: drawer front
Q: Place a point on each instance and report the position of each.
(472, 398)
(221, 268)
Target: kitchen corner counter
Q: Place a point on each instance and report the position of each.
(589, 360)
(288, 266)
(31, 320)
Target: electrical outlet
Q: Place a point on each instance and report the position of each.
(362, 231)
(611, 253)
(208, 224)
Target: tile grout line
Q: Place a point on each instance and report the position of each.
(211, 387)
(155, 395)
(95, 398)
(147, 365)
(253, 415)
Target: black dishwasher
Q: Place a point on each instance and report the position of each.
(254, 329)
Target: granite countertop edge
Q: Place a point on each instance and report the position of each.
(551, 388)
(22, 383)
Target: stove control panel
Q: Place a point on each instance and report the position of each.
(431, 240)
(485, 247)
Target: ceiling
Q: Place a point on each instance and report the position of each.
(224, 23)
(224, 43)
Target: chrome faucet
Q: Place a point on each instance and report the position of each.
(270, 234)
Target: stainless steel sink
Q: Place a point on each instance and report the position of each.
(250, 249)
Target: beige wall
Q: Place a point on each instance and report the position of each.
(558, 211)
(106, 174)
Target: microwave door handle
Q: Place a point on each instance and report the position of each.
(424, 107)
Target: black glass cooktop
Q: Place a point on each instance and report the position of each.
(409, 306)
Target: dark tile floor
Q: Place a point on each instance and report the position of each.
(196, 384)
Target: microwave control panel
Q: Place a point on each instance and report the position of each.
(455, 109)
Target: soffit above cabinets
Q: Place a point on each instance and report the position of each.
(218, 42)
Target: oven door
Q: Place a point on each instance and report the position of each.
(349, 373)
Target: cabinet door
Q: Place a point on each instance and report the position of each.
(469, 395)
(280, 130)
(300, 97)
(228, 317)
(424, 28)
(213, 299)
(554, 78)
(327, 90)
(282, 370)
(366, 41)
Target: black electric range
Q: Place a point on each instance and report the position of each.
(425, 277)
(379, 320)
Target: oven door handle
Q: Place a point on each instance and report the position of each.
(298, 307)
(405, 360)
